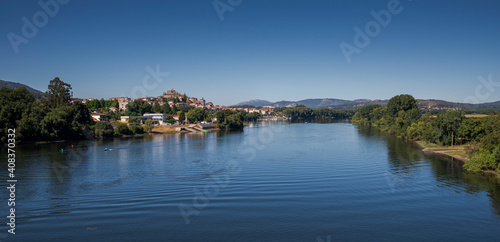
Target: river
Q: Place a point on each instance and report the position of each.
(275, 181)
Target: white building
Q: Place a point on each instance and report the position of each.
(157, 118)
(123, 105)
(99, 117)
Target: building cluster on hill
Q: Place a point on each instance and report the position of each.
(172, 98)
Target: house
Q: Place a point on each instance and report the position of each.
(122, 105)
(157, 118)
(176, 117)
(125, 119)
(113, 109)
(99, 117)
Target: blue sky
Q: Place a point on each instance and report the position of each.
(263, 49)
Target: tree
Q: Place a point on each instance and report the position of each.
(196, 115)
(165, 108)
(13, 104)
(229, 120)
(156, 107)
(148, 126)
(81, 114)
(170, 119)
(103, 129)
(402, 102)
(121, 128)
(58, 93)
(30, 125)
(181, 115)
(138, 108)
(447, 125)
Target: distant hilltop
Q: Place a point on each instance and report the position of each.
(354, 104)
(14, 85)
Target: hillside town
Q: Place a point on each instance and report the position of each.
(172, 98)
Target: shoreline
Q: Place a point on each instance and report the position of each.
(456, 153)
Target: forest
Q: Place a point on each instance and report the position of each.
(402, 117)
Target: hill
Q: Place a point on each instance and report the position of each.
(312, 103)
(14, 85)
(255, 103)
(348, 104)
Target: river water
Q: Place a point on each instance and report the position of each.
(272, 182)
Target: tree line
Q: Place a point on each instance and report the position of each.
(57, 117)
(402, 117)
(303, 112)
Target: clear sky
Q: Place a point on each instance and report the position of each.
(263, 49)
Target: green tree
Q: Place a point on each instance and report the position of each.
(156, 107)
(121, 129)
(138, 108)
(165, 108)
(13, 104)
(181, 115)
(148, 126)
(58, 93)
(402, 102)
(447, 125)
(30, 128)
(103, 129)
(196, 115)
(229, 120)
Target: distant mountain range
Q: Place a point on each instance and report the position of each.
(14, 85)
(318, 102)
(348, 104)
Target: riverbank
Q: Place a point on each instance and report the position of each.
(456, 153)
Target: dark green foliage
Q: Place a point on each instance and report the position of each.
(101, 104)
(165, 108)
(402, 102)
(450, 127)
(58, 93)
(487, 154)
(103, 129)
(254, 116)
(303, 112)
(138, 108)
(136, 129)
(182, 116)
(229, 120)
(121, 128)
(53, 118)
(148, 126)
(447, 125)
(156, 107)
(196, 115)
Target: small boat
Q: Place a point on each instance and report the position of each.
(105, 149)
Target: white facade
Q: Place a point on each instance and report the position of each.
(159, 118)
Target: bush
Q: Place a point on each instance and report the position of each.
(484, 160)
(121, 128)
(103, 129)
(135, 129)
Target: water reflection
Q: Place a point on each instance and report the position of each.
(405, 160)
